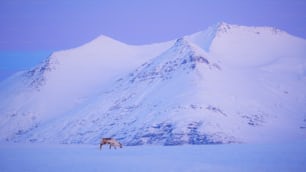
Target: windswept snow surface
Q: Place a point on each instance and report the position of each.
(226, 84)
(218, 158)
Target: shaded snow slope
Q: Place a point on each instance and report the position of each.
(226, 84)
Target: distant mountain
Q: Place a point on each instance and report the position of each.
(226, 84)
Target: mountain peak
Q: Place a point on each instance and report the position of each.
(187, 48)
(223, 27)
(182, 43)
(104, 40)
(183, 57)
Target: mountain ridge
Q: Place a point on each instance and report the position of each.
(226, 84)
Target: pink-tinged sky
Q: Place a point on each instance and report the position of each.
(48, 25)
(30, 30)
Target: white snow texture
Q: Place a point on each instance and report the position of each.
(226, 84)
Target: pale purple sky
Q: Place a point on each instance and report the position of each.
(60, 24)
(31, 29)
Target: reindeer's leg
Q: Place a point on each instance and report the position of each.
(101, 146)
(110, 146)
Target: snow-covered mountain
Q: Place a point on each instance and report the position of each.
(226, 84)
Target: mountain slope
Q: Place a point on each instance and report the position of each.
(226, 84)
(65, 81)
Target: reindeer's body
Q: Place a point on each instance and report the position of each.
(111, 142)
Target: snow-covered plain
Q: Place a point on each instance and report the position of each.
(281, 157)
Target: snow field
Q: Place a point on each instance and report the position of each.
(228, 157)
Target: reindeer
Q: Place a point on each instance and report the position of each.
(111, 141)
